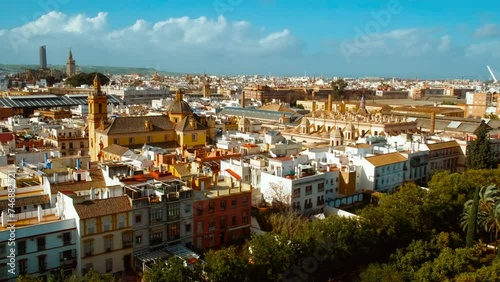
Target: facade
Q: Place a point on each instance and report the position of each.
(66, 139)
(44, 244)
(300, 184)
(383, 173)
(222, 212)
(104, 230)
(445, 156)
(162, 216)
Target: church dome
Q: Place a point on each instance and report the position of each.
(179, 107)
(337, 133)
(305, 122)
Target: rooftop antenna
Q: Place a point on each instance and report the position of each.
(492, 74)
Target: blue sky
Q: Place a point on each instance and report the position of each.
(391, 38)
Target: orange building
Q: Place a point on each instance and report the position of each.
(221, 213)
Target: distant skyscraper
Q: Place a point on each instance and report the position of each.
(43, 57)
(70, 65)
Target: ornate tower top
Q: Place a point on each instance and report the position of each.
(70, 57)
(97, 84)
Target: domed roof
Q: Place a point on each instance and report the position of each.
(305, 122)
(179, 106)
(337, 133)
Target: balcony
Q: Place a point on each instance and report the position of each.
(126, 244)
(320, 202)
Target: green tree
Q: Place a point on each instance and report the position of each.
(338, 87)
(227, 264)
(479, 152)
(471, 221)
(173, 270)
(86, 78)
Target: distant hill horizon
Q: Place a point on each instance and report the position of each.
(16, 68)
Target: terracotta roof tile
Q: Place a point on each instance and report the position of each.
(24, 201)
(97, 182)
(95, 208)
(133, 125)
(115, 149)
(442, 145)
(386, 159)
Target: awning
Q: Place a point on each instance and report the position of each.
(239, 227)
(233, 174)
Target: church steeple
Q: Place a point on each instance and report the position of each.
(97, 118)
(70, 65)
(97, 84)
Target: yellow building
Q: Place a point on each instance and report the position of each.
(178, 128)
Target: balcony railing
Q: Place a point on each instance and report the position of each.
(126, 244)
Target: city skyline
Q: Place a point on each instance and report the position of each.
(394, 38)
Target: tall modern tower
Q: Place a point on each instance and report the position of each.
(43, 57)
(70, 65)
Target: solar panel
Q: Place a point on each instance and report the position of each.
(454, 124)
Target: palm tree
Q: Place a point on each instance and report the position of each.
(488, 212)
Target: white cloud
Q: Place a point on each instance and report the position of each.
(444, 44)
(400, 43)
(171, 40)
(488, 30)
(488, 49)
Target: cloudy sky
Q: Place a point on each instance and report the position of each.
(392, 38)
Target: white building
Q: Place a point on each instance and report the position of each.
(296, 182)
(44, 243)
(383, 172)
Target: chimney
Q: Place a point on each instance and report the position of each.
(329, 106)
(433, 123)
(40, 214)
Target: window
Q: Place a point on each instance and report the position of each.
(23, 266)
(211, 225)
(42, 263)
(223, 222)
(81, 144)
(105, 226)
(138, 239)
(90, 229)
(194, 137)
(21, 247)
(108, 243)
(3, 270)
(40, 242)
(187, 227)
(211, 207)
(174, 211)
(138, 218)
(244, 201)
(187, 208)
(156, 238)
(115, 141)
(233, 203)
(131, 140)
(127, 239)
(321, 187)
(88, 247)
(166, 137)
(150, 139)
(222, 205)
(70, 145)
(199, 208)
(109, 265)
(296, 193)
(174, 232)
(309, 189)
(156, 215)
(66, 238)
(244, 218)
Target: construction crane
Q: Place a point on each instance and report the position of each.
(492, 74)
